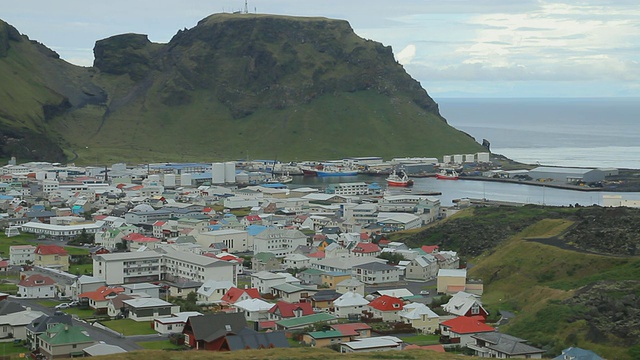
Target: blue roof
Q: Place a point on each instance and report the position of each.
(254, 230)
(578, 354)
(274, 186)
(6, 197)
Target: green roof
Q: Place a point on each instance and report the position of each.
(305, 320)
(62, 334)
(325, 334)
(264, 256)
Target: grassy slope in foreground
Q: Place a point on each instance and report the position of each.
(331, 126)
(284, 354)
(533, 279)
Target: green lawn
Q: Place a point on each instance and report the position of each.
(76, 251)
(129, 327)
(81, 313)
(421, 340)
(5, 242)
(9, 288)
(13, 350)
(83, 269)
(160, 345)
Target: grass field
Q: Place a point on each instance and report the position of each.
(9, 288)
(427, 339)
(129, 327)
(81, 313)
(83, 269)
(160, 345)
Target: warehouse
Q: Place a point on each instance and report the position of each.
(567, 175)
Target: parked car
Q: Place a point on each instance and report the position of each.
(424, 292)
(74, 303)
(62, 306)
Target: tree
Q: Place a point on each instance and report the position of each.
(392, 257)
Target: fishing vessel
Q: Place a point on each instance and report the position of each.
(447, 174)
(401, 180)
(327, 171)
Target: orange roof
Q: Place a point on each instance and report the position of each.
(132, 236)
(50, 250)
(102, 293)
(429, 249)
(387, 303)
(159, 223)
(317, 255)
(467, 325)
(366, 248)
(350, 329)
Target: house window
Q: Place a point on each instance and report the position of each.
(475, 309)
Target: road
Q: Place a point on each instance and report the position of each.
(128, 343)
(414, 286)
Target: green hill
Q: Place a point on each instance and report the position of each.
(571, 275)
(234, 86)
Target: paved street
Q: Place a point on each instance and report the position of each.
(128, 343)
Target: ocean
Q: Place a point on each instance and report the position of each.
(584, 132)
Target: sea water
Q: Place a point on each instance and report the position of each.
(585, 132)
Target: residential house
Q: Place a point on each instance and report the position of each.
(85, 283)
(422, 267)
(380, 343)
(135, 242)
(173, 324)
(145, 309)
(265, 280)
(304, 321)
(447, 259)
(228, 332)
(41, 324)
(349, 303)
(22, 254)
(311, 276)
(353, 330)
(576, 353)
(212, 291)
(293, 292)
(366, 249)
(233, 240)
(115, 306)
(253, 309)
(37, 286)
(63, 341)
(465, 304)
(503, 346)
(331, 279)
(296, 261)
(324, 338)
(460, 330)
(15, 318)
(182, 288)
(323, 299)
(392, 222)
(421, 317)
(342, 264)
(101, 349)
(376, 273)
(386, 308)
(351, 284)
(151, 290)
(285, 310)
(99, 299)
(51, 256)
(265, 261)
(234, 295)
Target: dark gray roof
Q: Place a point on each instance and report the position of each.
(375, 266)
(40, 324)
(324, 295)
(507, 344)
(10, 307)
(209, 327)
(250, 339)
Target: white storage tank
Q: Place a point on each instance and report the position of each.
(169, 180)
(217, 173)
(446, 159)
(469, 158)
(41, 175)
(185, 180)
(230, 172)
(483, 157)
(457, 159)
(154, 178)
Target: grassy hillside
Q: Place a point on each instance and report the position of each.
(234, 86)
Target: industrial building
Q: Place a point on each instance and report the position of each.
(568, 175)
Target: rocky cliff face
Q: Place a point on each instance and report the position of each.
(261, 61)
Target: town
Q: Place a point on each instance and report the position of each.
(226, 257)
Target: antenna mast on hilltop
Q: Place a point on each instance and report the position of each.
(246, 7)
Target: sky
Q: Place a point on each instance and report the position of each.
(454, 48)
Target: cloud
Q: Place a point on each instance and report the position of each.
(407, 54)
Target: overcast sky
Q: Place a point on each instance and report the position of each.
(455, 48)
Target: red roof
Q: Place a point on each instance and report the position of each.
(384, 242)
(366, 248)
(350, 329)
(4, 264)
(429, 249)
(253, 218)
(467, 325)
(267, 325)
(287, 309)
(132, 236)
(364, 236)
(100, 217)
(50, 250)
(317, 255)
(36, 280)
(233, 294)
(159, 223)
(102, 293)
(387, 303)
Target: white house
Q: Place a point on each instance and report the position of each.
(376, 273)
(212, 291)
(392, 222)
(144, 309)
(421, 317)
(353, 285)
(280, 242)
(37, 286)
(254, 309)
(423, 267)
(380, 343)
(296, 261)
(21, 254)
(349, 303)
(173, 324)
(234, 240)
